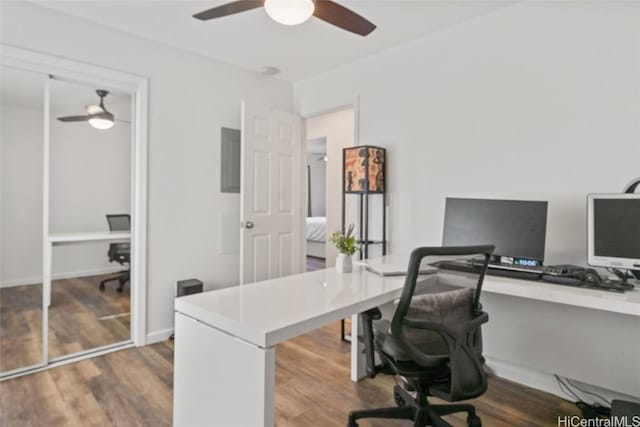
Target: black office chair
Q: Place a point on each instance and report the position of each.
(119, 252)
(433, 343)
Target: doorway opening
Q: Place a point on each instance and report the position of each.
(327, 134)
(316, 222)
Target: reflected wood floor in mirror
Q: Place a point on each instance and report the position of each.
(134, 387)
(81, 317)
(20, 326)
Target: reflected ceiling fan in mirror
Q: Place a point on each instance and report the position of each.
(97, 115)
(294, 12)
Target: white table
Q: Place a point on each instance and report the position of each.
(58, 239)
(225, 340)
(91, 236)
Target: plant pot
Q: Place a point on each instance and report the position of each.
(343, 263)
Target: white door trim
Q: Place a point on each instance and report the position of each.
(138, 87)
(355, 106)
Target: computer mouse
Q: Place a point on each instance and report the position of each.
(591, 278)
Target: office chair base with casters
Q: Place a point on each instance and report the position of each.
(122, 278)
(416, 409)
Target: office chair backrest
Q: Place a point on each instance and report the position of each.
(119, 222)
(418, 254)
(456, 316)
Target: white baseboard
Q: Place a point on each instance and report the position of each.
(59, 276)
(545, 381)
(157, 336)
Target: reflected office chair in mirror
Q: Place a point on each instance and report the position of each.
(119, 252)
(433, 345)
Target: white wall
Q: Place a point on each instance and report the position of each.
(21, 195)
(90, 177)
(536, 101)
(191, 97)
(338, 129)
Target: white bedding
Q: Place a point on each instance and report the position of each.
(317, 228)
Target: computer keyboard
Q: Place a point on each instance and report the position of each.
(531, 273)
(516, 274)
(469, 266)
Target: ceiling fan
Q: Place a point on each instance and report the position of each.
(294, 12)
(97, 115)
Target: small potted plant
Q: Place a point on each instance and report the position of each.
(346, 244)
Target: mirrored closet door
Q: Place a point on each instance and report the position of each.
(67, 194)
(90, 163)
(22, 102)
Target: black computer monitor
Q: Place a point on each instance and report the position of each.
(517, 228)
(614, 231)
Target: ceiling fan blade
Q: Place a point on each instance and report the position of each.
(74, 118)
(229, 9)
(341, 17)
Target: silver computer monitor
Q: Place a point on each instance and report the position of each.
(614, 230)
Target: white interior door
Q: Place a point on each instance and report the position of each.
(271, 194)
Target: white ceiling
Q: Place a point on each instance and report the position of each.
(252, 40)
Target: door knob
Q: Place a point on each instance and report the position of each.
(248, 224)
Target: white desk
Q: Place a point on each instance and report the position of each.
(81, 237)
(225, 339)
(626, 303)
(57, 239)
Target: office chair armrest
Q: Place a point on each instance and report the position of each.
(481, 317)
(368, 335)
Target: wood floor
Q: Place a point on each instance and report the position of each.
(134, 388)
(80, 318)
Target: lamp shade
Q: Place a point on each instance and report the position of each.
(364, 169)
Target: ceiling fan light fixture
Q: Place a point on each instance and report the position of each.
(289, 12)
(101, 121)
(94, 109)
